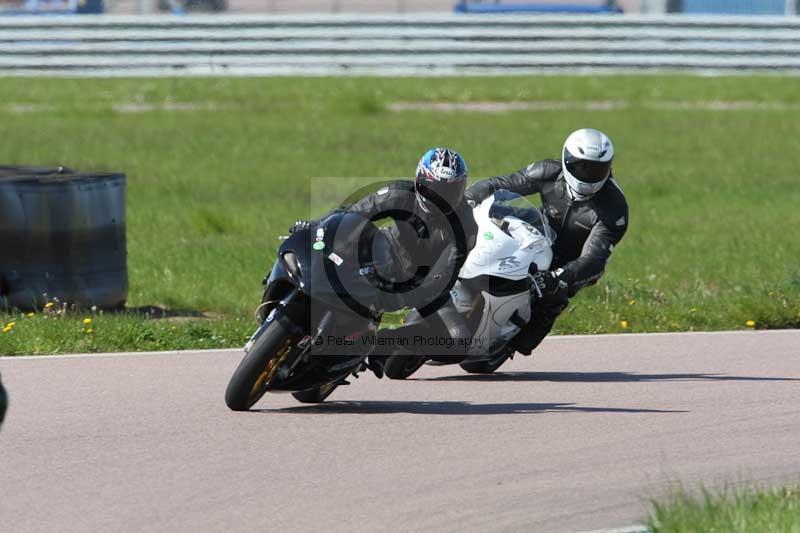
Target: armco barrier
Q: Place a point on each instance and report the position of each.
(395, 44)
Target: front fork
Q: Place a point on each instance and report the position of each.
(272, 315)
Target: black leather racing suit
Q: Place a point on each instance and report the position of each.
(587, 232)
(429, 247)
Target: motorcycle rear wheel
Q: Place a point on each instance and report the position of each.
(315, 395)
(488, 367)
(259, 367)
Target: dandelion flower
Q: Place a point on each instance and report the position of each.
(48, 305)
(87, 321)
(30, 315)
(7, 329)
(623, 324)
(90, 330)
(631, 302)
(750, 323)
(10, 325)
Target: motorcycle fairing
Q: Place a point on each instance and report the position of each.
(506, 250)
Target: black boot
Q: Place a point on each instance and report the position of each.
(376, 363)
(526, 340)
(534, 332)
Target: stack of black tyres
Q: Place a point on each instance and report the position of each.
(62, 235)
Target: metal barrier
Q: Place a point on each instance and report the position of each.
(393, 44)
(740, 7)
(496, 6)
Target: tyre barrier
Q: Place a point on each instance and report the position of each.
(62, 236)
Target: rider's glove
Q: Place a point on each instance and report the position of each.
(547, 282)
(300, 225)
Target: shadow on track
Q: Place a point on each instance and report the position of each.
(597, 377)
(451, 408)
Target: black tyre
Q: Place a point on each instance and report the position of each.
(487, 367)
(258, 368)
(402, 366)
(315, 395)
(3, 403)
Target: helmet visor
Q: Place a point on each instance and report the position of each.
(444, 194)
(585, 170)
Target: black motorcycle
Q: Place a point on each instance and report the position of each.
(319, 313)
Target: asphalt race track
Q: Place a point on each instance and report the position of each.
(575, 438)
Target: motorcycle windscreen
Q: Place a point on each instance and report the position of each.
(508, 204)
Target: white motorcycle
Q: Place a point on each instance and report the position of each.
(493, 290)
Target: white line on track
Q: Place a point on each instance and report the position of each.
(600, 105)
(624, 529)
(120, 354)
(472, 107)
(671, 334)
(553, 338)
(502, 107)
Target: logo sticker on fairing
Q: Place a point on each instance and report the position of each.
(508, 262)
(335, 258)
(319, 243)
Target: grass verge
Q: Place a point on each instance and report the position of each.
(217, 168)
(774, 510)
(43, 333)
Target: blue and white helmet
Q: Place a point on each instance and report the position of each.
(586, 162)
(441, 179)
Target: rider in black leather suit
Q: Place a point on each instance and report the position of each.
(433, 233)
(588, 212)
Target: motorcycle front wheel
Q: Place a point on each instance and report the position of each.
(259, 367)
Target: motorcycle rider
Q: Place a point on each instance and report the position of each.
(434, 231)
(589, 213)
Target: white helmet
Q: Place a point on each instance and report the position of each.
(586, 162)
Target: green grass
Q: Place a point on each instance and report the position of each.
(49, 333)
(731, 511)
(713, 194)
